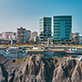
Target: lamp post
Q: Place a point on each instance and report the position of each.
(11, 41)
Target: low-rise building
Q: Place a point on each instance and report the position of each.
(2, 49)
(7, 35)
(14, 53)
(33, 34)
(75, 36)
(36, 39)
(0, 35)
(14, 35)
(80, 39)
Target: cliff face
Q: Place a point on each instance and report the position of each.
(70, 71)
(3, 74)
(38, 69)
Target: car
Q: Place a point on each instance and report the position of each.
(80, 58)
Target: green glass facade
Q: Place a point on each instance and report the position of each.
(45, 28)
(62, 28)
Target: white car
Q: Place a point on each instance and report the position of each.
(81, 58)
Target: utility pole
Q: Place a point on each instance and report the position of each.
(12, 42)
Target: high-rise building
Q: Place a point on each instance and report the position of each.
(33, 34)
(21, 34)
(45, 28)
(28, 35)
(62, 28)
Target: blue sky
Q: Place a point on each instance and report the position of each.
(26, 13)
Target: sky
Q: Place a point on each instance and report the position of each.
(26, 13)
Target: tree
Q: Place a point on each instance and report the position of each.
(65, 41)
(28, 41)
(77, 41)
(72, 41)
(61, 42)
(56, 42)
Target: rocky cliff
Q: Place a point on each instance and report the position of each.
(39, 69)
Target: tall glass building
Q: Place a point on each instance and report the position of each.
(62, 28)
(45, 28)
